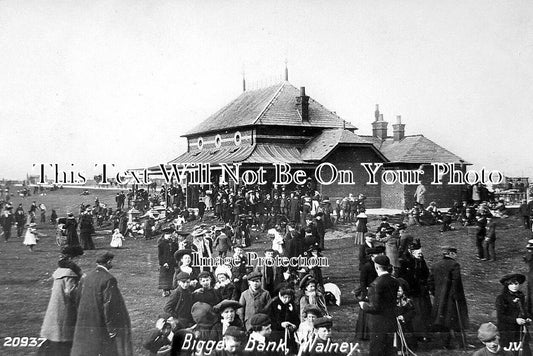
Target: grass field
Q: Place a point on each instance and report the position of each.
(25, 279)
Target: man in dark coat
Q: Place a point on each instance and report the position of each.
(7, 220)
(381, 307)
(20, 218)
(414, 270)
(166, 247)
(525, 213)
(366, 277)
(450, 311)
(103, 324)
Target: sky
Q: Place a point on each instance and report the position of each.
(118, 82)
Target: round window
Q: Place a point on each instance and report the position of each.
(200, 143)
(237, 138)
(218, 141)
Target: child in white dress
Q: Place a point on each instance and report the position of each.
(116, 239)
(31, 236)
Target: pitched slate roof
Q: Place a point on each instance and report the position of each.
(274, 105)
(262, 153)
(413, 149)
(322, 145)
(216, 155)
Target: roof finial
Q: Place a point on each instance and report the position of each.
(286, 70)
(243, 79)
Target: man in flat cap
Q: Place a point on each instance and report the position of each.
(253, 300)
(381, 309)
(450, 311)
(181, 300)
(103, 324)
(490, 337)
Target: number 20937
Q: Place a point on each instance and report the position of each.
(23, 341)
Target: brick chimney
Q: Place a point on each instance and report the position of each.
(398, 129)
(302, 102)
(379, 127)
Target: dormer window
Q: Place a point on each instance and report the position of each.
(218, 141)
(200, 143)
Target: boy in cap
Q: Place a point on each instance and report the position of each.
(261, 327)
(490, 337)
(180, 303)
(206, 293)
(253, 300)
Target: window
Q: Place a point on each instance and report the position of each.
(237, 138)
(218, 141)
(200, 143)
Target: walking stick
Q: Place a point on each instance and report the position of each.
(523, 329)
(463, 336)
(286, 338)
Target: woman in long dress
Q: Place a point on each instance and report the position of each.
(166, 247)
(511, 314)
(71, 228)
(60, 318)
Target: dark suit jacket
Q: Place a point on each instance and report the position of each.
(381, 305)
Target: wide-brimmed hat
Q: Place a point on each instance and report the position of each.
(180, 253)
(227, 303)
(198, 232)
(306, 281)
(520, 278)
(323, 322)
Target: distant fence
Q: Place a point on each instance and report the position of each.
(511, 198)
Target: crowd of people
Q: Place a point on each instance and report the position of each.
(215, 299)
